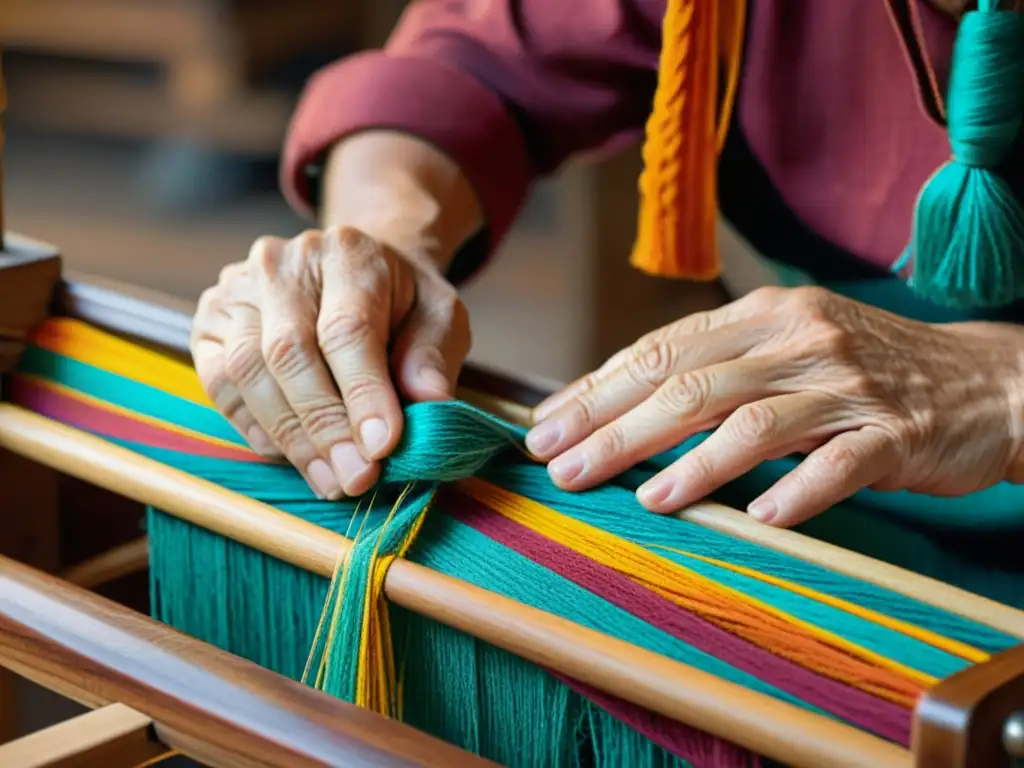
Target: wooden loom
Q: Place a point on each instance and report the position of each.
(154, 689)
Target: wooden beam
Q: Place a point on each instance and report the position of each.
(758, 722)
(112, 737)
(96, 652)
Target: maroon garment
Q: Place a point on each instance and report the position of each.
(511, 89)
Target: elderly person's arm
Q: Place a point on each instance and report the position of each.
(872, 399)
(423, 152)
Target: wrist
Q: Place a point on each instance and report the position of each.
(402, 192)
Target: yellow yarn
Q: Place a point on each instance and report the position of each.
(701, 42)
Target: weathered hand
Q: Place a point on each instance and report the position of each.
(872, 399)
(292, 347)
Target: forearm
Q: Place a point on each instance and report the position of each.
(402, 191)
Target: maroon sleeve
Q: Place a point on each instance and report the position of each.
(509, 89)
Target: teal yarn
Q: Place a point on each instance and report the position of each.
(448, 441)
(458, 688)
(967, 246)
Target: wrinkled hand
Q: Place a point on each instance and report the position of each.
(292, 347)
(872, 399)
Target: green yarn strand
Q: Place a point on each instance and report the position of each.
(968, 241)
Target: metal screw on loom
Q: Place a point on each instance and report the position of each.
(1013, 735)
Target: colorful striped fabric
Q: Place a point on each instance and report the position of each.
(461, 496)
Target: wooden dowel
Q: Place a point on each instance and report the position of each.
(97, 652)
(762, 724)
(114, 736)
(997, 615)
(108, 306)
(125, 560)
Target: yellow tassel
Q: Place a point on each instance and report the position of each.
(701, 40)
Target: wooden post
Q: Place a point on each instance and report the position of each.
(3, 107)
(29, 275)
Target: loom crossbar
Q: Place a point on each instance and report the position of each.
(207, 703)
(752, 720)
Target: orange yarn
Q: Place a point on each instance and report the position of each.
(701, 41)
(814, 648)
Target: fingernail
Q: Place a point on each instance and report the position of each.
(375, 434)
(763, 510)
(348, 463)
(433, 380)
(325, 482)
(259, 441)
(544, 439)
(567, 468)
(656, 492)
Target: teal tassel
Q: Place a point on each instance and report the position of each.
(968, 240)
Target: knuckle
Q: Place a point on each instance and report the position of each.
(610, 441)
(309, 241)
(699, 322)
(285, 430)
(841, 460)
(584, 407)
(754, 424)
(209, 300)
(264, 250)
(352, 240)
(286, 350)
(684, 394)
(766, 296)
(229, 273)
(811, 298)
(362, 389)
(243, 361)
(653, 363)
(341, 330)
(325, 422)
(357, 250)
(699, 471)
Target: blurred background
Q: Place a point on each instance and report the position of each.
(144, 138)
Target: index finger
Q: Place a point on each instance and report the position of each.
(696, 323)
(353, 327)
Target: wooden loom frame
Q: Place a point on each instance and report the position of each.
(983, 696)
(88, 649)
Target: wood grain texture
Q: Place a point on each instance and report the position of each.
(96, 652)
(310, 549)
(114, 736)
(762, 724)
(959, 723)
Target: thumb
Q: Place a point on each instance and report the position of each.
(429, 353)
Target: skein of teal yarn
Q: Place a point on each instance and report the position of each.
(968, 240)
